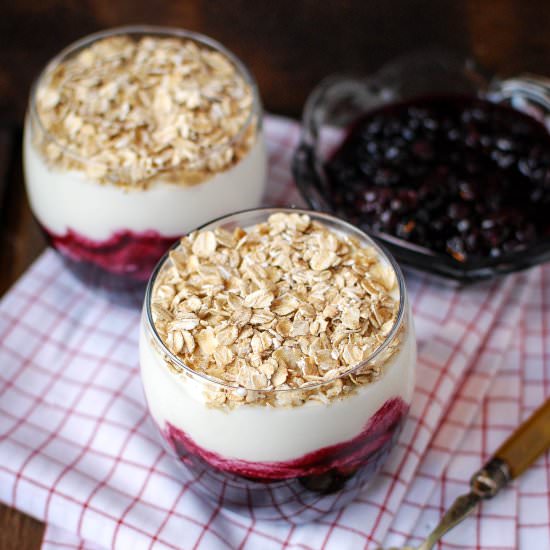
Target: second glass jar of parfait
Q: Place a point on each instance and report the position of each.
(133, 137)
(277, 357)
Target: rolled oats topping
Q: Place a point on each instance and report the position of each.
(287, 304)
(133, 109)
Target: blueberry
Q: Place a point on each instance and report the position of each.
(453, 134)
(423, 149)
(385, 176)
(456, 247)
(370, 196)
(372, 147)
(463, 225)
(392, 153)
(466, 190)
(457, 210)
(504, 144)
(408, 134)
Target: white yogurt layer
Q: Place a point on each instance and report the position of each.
(260, 433)
(63, 200)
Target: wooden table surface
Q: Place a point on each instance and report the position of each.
(289, 45)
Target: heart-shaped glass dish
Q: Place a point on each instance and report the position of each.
(339, 101)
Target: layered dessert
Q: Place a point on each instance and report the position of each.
(134, 137)
(277, 358)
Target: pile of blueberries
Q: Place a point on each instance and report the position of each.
(458, 175)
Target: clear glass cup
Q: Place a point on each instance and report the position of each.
(113, 235)
(282, 454)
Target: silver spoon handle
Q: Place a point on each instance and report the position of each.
(461, 508)
(529, 441)
(485, 484)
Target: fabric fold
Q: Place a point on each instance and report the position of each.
(499, 349)
(80, 453)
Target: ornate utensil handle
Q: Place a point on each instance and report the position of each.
(512, 458)
(527, 443)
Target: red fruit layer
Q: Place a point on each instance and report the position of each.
(344, 458)
(126, 253)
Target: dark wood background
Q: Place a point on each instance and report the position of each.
(289, 46)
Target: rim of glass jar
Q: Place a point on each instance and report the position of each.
(146, 30)
(314, 215)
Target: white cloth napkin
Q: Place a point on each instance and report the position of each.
(78, 451)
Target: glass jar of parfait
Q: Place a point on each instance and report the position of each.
(277, 357)
(133, 137)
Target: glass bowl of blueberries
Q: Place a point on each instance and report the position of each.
(444, 164)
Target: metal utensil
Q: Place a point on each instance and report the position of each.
(512, 458)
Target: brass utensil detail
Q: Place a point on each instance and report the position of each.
(530, 440)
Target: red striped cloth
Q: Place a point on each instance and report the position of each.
(78, 451)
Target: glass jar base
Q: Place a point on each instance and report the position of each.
(117, 289)
(297, 500)
(100, 266)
